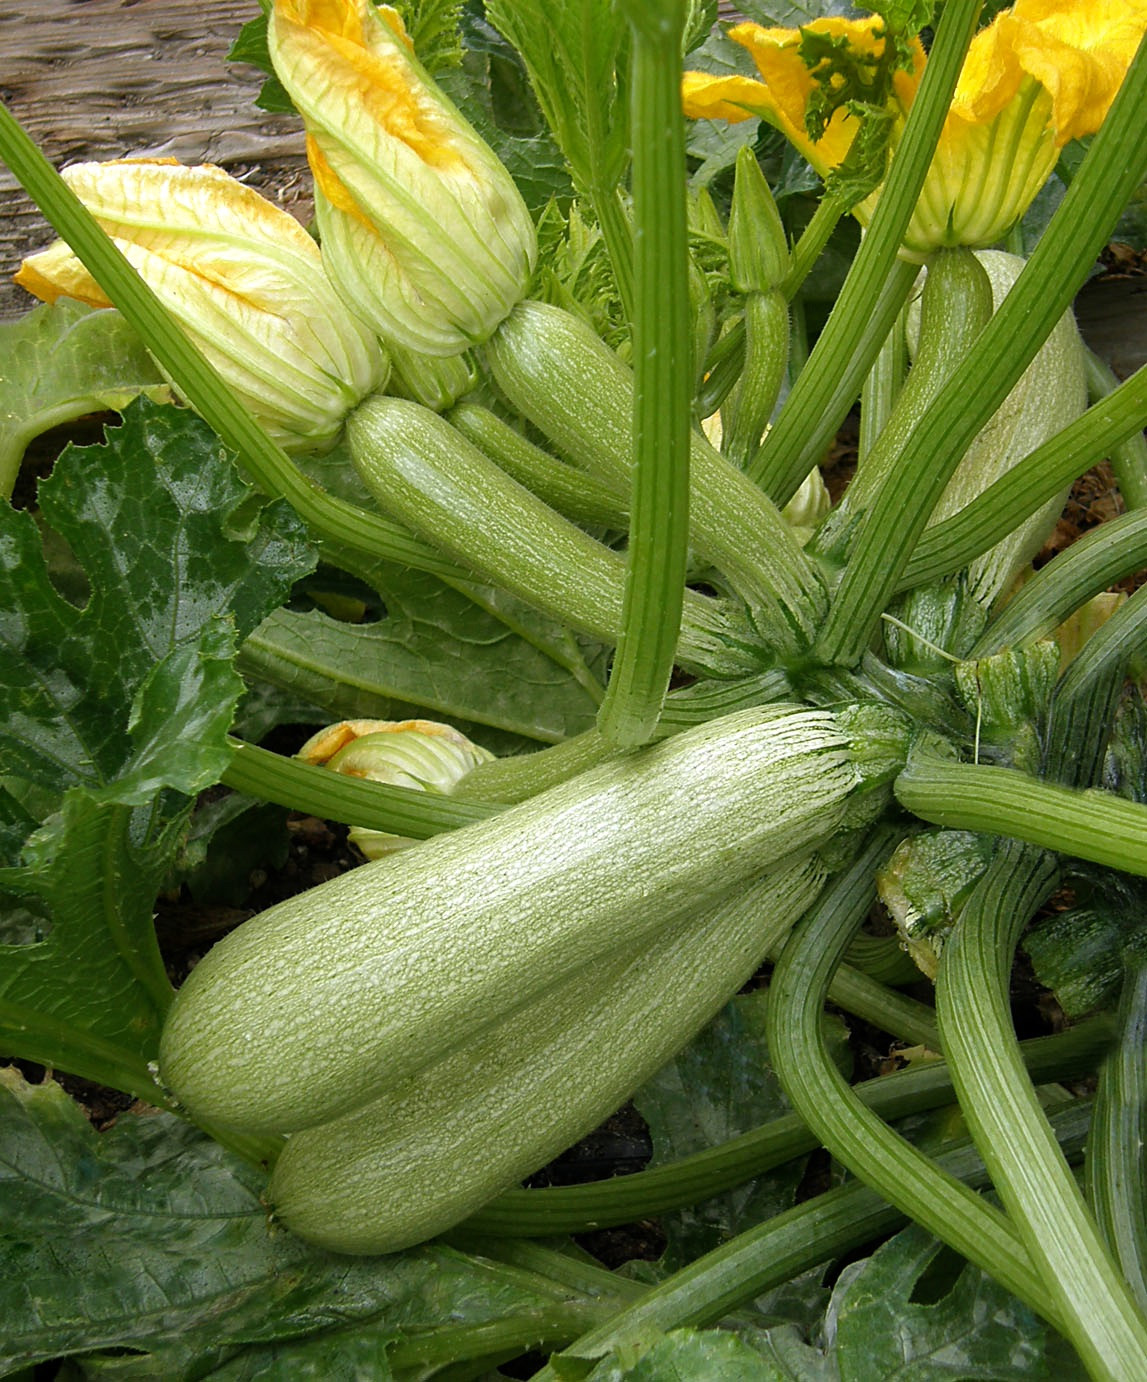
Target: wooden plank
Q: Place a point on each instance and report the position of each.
(97, 79)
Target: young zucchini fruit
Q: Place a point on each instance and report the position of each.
(423, 471)
(308, 1010)
(435, 1147)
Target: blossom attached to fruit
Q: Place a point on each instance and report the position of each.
(423, 229)
(423, 755)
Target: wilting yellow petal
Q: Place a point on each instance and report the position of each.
(423, 230)
(57, 273)
(244, 279)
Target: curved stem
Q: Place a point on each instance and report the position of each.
(1096, 561)
(1080, 1281)
(625, 1199)
(1116, 1167)
(776, 1251)
(829, 384)
(1129, 456)
(1115, 165)
(1089, 824)
(904, 1175)
(352, 800)
(1004, 505)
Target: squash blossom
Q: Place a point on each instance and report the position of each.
(423, 230)
(241, 276)
(1042, 73)
(423, 755)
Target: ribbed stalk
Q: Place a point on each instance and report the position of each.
(1086, 696)
(956, 305)
(352, 800)
(1079, 1280)
(1129, 457)
(1115, 165)
(776, 1251)
(1114, 421)
(663, 382)
(1116, 1166)
(904, 1175)
(1090, 565)
(197, 380)
(881, 387)
(856, 329)
(625, 1199)
(1093, 825)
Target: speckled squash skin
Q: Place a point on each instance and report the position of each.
(307, 1011)
(438, 1145)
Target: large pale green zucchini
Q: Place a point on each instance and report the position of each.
(308, 1010)
(438, 1145)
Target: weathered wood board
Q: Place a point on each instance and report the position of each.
(96, 79)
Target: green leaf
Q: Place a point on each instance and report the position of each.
(574, 54)
(435, 652)
(133, 691)
(973, 1329)
(692, 1355)
(118, 712)
(60, 363)
(152, 1238)
(720, 1086)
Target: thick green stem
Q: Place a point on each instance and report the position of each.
(1081, 1283)
(663, 386)
(1116, 1165)
(777, 1250)
(956, 305)
(352, 800)
(1090, 565)
(1115, 165)
(904, 1175)
(1003, 506)
(625, 1199)
(1093, 825)
(1129, 456)
(855, 331)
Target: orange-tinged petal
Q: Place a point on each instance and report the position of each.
(705, 97)
(423, 230)
(57, 273)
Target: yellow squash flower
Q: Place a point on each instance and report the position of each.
(1042, 73)
(423, 229)
(241, 276)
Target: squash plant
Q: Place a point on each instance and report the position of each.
(596, 428)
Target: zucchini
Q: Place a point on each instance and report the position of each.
(438, 1145)
(557, 373)
(423, 471)
(307, 1010)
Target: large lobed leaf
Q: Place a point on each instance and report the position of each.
(119, 710)
(151, 1237)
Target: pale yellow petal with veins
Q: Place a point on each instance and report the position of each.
(242, 277)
